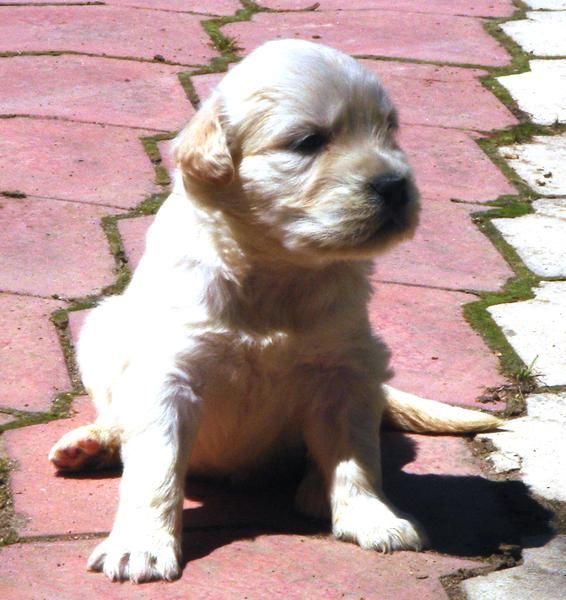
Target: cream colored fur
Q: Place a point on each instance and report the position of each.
(244, 333)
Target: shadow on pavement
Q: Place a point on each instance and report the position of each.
(465, 516)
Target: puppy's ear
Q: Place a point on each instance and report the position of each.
(201, 149)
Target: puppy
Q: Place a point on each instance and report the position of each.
(244, 332)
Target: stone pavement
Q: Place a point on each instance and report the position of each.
(90, 95)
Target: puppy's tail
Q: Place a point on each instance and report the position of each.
(408, 412)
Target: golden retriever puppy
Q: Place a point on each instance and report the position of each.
(244, 332)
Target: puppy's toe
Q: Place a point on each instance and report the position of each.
(371, 525)
(156, 559)
(81, 448)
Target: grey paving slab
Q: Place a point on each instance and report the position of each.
(540, 163)
(534, 446)
(537, 330)
(540, 92)
(541, 33)
(539, 238)
(541, 577)
(547, 4)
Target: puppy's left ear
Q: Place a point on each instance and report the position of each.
(201, 149)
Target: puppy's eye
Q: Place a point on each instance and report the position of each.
(310, 144)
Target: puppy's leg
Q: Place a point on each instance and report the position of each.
(342, 435)
(159, 414)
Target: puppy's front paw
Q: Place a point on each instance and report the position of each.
(139, 559)
(370, 524)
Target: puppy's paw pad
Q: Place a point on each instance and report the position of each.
(76, 450)
(122, 561)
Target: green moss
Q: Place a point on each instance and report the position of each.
(150, 145)
(189, 88)
(8, 534)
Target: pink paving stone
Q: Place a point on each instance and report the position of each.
(107, 31)
(100, 90)
(46, 503)
(204, 84)
(167, 161)
(210, 7)
(480, 8)
(378, 33)
(435, 351)
(449, 164)
(32, 368)
(275, 566)
(75, 161)
(448, 251)
(51, 247)
(133, 236)
(441, 96)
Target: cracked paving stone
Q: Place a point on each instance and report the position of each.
(530, 444)
(540, 577)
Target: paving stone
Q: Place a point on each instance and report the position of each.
(51, 247)
(537, 330)
(541, 576)
(133, 233)
(234, 565)
(541, 33)
(167, 161)
(454, 255)
(378, 33)
(204, 84)
(441, 96)
(448, 164)
(539, 238)
(106, 31)
(75, 161)
(482, 8)
(32, 367)
(540, 92)
(100, 90)
(533, 441)
(435, 352)
(547, 4)
(210, 7)
(540, 163)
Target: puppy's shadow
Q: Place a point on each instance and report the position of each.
(465, 516)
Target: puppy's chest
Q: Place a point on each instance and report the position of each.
(239, 368)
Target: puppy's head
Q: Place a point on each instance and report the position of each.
(297, 144)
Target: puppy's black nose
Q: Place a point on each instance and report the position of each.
(391, 189)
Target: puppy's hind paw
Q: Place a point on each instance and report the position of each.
(84, 447)
(369, 524)
(135, 561)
